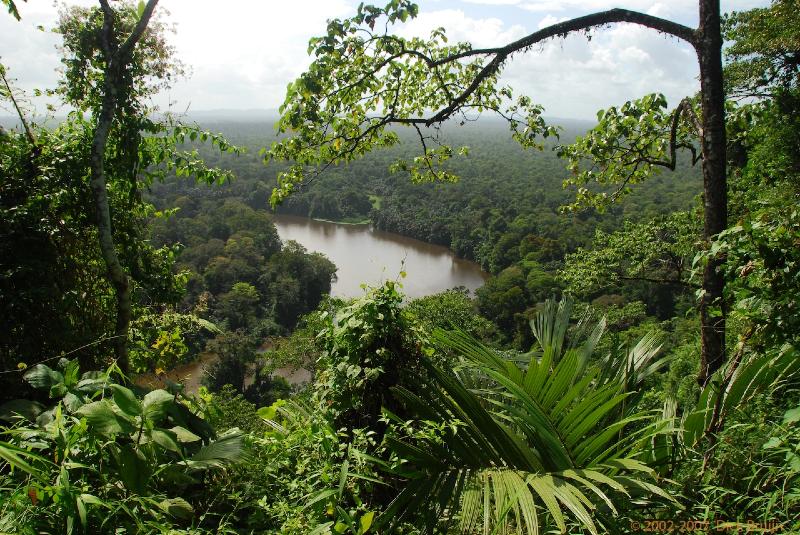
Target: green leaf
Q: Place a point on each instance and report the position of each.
(226, 449)
(81, 507)
(72, 402)
(134, 470)
(140, 8)
(71, 371)
(184, 435)
(178, 508)
(92, 499)
(165, 439)
(44, 377)
(13, 455)
(23, 407)
(156, 404)
(792, 416)
(366, 521)
(103, 420)
(126, 400)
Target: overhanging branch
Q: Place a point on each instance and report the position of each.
(561, 29)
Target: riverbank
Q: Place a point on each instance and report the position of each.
(190, 375)
(346, 221)
(363, 254)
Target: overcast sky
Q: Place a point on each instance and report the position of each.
(242, 53)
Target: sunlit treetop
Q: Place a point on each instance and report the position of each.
(152, 68)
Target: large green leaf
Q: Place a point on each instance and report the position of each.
(228, 448)
(21, 407)
(15, 456)
(134, 470)
(104, 420)
(166, 439)
(126, 400)
(43, 377)
(156, 404)
(177, 507)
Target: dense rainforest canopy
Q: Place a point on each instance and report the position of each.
(628, 367)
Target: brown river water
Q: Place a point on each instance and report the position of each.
(363, 256)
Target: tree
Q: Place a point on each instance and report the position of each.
(114, 60)
(659, 252)
(364, 81)
(235, 351)
(116, 87)
(75, 191)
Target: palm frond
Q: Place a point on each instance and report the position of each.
(546, 445)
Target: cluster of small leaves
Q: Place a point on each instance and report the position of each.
(764, 50)
(363, 347)
(526, 121)
(763, 269)
(160, 341)
(753, 477)
(779, 475)
(626, 147)
(152, 68)
(12, 8)
(164, 153)
(309, 478)
(660, 251)
(363, 80)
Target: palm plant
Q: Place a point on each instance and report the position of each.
(553, 440)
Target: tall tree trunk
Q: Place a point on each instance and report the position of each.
(116, 58)
(116, 273)
(708, 45)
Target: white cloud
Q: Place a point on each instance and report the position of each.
(244, 52)
(685, 11)
(574, 77)
(483, 32)
(493, 2)
(549, 20)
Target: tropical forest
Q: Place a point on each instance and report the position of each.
(496, 267)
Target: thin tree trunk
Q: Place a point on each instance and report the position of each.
(708, 45)
(116, 58)
(116, 273)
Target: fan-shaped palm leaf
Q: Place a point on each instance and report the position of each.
(545, 447)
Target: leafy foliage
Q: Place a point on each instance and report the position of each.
(544, 437)
(660, 252)
(363, 81)
(105, 456)
(763, 49)
(627, 146)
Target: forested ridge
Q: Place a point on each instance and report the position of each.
(625, 369)
(501, 187)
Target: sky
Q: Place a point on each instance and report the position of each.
(241, 54)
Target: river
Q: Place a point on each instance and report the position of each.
(362, 255)
(365, 255)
